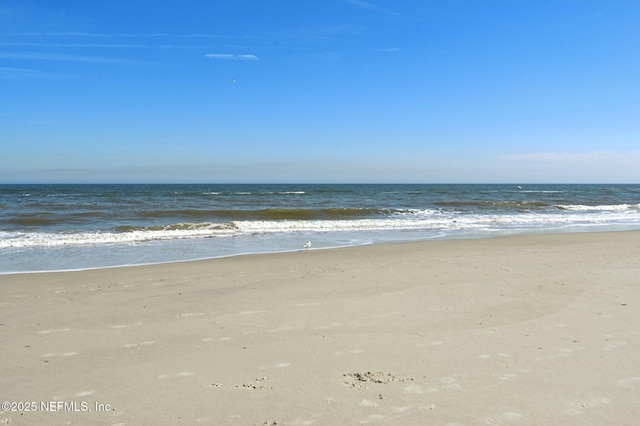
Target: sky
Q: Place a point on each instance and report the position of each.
(324, 91)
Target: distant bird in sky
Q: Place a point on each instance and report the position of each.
(307, 245)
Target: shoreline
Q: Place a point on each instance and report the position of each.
(462, 237)
(533, 329)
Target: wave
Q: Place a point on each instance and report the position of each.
(121, 235)
(32, 220)
(253, 193)
(600, 208)
(51, 218)
(494, 205)
(407, 220)
(267, 214)
(177, 227)
(46, 219)
(207, 218)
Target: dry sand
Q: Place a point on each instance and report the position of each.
(526, 330)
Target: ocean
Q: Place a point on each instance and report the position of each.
(70, 227)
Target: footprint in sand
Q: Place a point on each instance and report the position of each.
(280, 329)
(403, 409)
(565, 352)
(137, 345)
(126, 325)
(545, 358)
(578, 407)
(352, 352)
(302, 305)
(486, 332)
(66, 354)
(54, 330)
(507, 416)
(614, 345)
(450, 382)
(415, 389)
(253, 312)
(176, 375)
(489, 356)
(373, 418)
(368, 403)
(510, 416)
(337, 325)
(508, 376)
(630, 383)
(278, 365)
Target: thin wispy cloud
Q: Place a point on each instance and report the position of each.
(128, 35)
(73, 39)
(64, 58)
(369, 6)
(105, 45)
(576, 157)
(231, 57)
(8, 73)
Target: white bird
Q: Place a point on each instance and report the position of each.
(307, 245)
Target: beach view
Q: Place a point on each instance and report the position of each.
(343, 212)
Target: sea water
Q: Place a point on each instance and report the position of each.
(65, 227)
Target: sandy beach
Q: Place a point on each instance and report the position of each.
(525, 330)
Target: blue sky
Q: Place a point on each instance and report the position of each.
(430, 91)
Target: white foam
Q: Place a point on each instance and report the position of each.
(408, 220)
(601, 208)
(44, 239)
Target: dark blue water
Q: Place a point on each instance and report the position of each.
(55, 227)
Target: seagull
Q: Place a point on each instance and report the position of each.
(307, 245)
